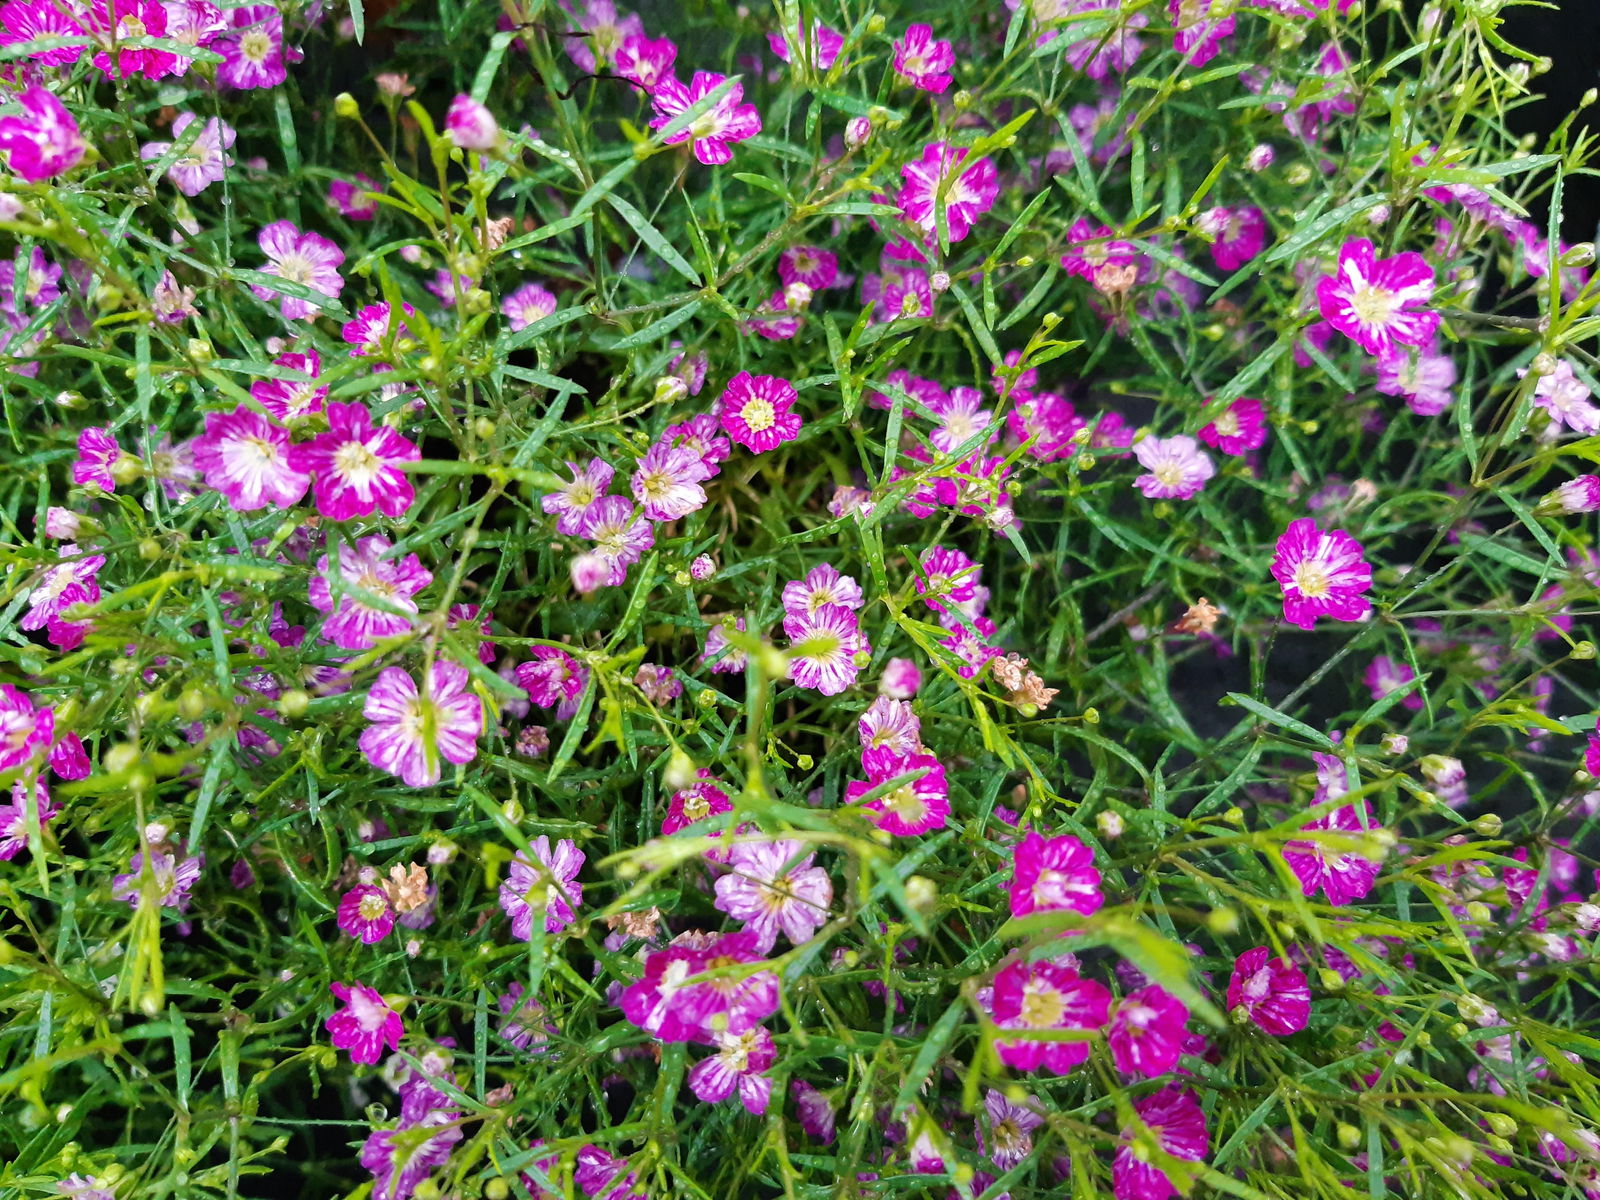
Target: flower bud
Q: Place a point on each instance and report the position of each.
(470, 125)
(590, 572)
(1395, 743)
(857, 132)
(344, 105)
(1110, 824)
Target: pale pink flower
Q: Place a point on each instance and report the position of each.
(247, 458)
(944, 181)
(355, 624)
(529, 303)
(1376, 302)
(772, 886)
(1176, 467)
(739, 1064)
(573, 503)
(365, 1025)
(305, 258)
(825, 646)
(821, 45)
(204, 162)
(711, 133)
(412, 730)
(1567, 399)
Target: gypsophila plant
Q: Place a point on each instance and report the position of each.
(838, 598)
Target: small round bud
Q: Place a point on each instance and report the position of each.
(1488, 825)
(1222, 921)
(483, 428)
(1091, 716)
(857, 132)
(1234, 816)
(149, 549)
(121, 757)
(681, 771)
(1394, 743)
(1349, 1136)
(590, 572)
(1298, 175)
(192, 703)
(1330, 980)
(344, 105)
(1502, 1125)
(1582, 651)
(512, 811)
(1110, 824)
(922, 893)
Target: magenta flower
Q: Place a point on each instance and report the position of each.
(366, 914)
(1567, 399)
(770, 887)
(1237, 429)
(1198, 35)
(646, 61)
(825, 648)
(1322, 574)
(357, 624)
(22, 812)
(811, 265)
(25, 733)
(291, 399)
(963, 191)
(375, 330)
(1045, 997)
(693, 804)
(757, 411)
(620, 535)
(573, 503)
(356, 465)
(1176, 468)
(710, 134)
(546, 887)
(70, 582)
(947, 576)
(1342, 875)
(1272, 991)
(919, 806)
(529, 303)
(470, 125)
(401, 1159)
(1053, 876)
(1425, 378)
(1377, 302)
(890, 724)
(169, 880)
(822, 44)
(411, 731)
(247, 458)
(1384, 674)
(1591, 756)
(34, 20)
(44, 140)
(1238, 234)
(721, 997)
(203, 163)
(1147, 1032)
(739, 1064)
(69, 760)
(252, 54)
(355, 198)
(923, 60)
(1173, 1116)
(366, 1023)
(667, 481)
(1092, 250)
(1105, 53)
(122, 21)
(308, 259)
(554, 679)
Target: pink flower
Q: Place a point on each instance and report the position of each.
(667, 1005)
(355, 624)
(1174, 1118)
(646, 61)
(573, 503)
(667, 482)
(620, 535)
(1376, 302)
(168, 879)
(1591, 756)
(918, 806)
(821, 47)
(925, 61)
(901, 679)
(1237, 429)
(247, 458)
(739, 1064)
(770, 887)
(1147, 1032)
(1199, 35)
(1238, 234)
(604, 33)
(1383, 675)
(44, 141)
(1322, 574)
(1044, 997)
(411, 730)
(943, 179)
(470, 125)
(366, 1023)
(1053, 876)
(203, 163)
(24, 811)
(122, 21)
(1176, 467)
(1011, 1129)
(694, 804)
(1093, 250)
(1424, 377)
(25, 733)
(355, 198)
(890, 724)
(291, 399)
(947, 576)
(711, 133)
(1341, 875)
(822, 585)
(811, 265)
(1567, 399)
(1273, 991)
(545, 887)
(69, 760)
(70, 582)
(824, 648)
(757, 411)
(1106, 52)
(356, 465)
(35, 20)
(252, 56)
(366, 914)
(375, 330)
(554, 679)
(308, 259)
(529, 303)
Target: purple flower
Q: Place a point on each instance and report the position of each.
(522, 1020)
(366, 1023)
(124, 21)
(943, 178)
(925, 61)
(412, 730)
(890, 724)
(646, 61)
(1341, 875)
(247, 458)
(529, 303)
(1237, 429)
(1424, 377)
(1176, 468)
(1031, 998)
(169, 879)
(375, 330)
(758, 411)
(69, 760)
(356, 624)
(620, 535)
(1273, 991)
(44, 140)
(547, 887)
(667, 481)
(203, 163)
(770, 886)
(470, 125)
(308, 259)
(1174, 1118)
(1198, 35)
(400, 1159)
(824, 648)
(821, 44)
(290, 399)
(25, 733)
(1011, 1129)
(70, 582)
(252, 56)
(355, 198)
(1238, 234)
(739, 1064)
(604, 32)
(815, 1111)
(573, 503)
(1377, 302)
(710, 134)
(1567, 399)
(921, 805)
(1384, 674)
(356, 465)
